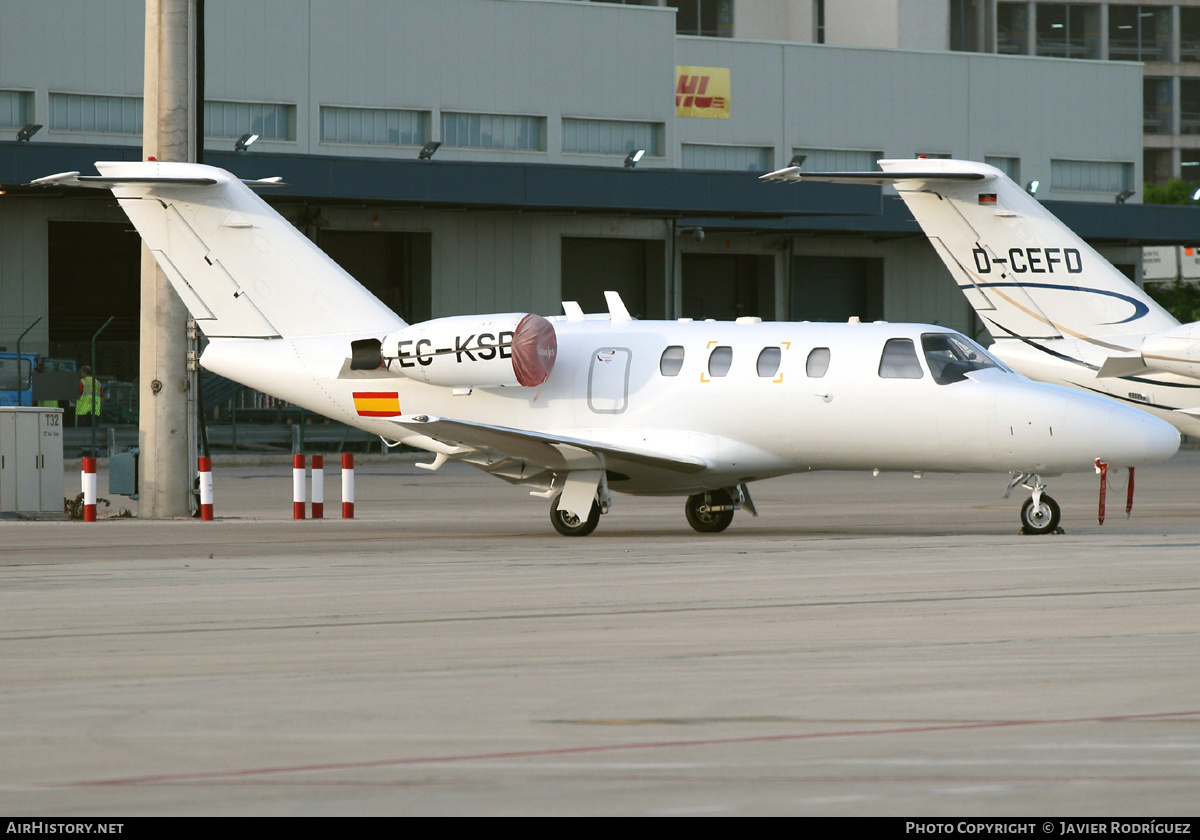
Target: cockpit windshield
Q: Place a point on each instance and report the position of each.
(952, 356)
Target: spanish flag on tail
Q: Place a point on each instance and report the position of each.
(377, 403)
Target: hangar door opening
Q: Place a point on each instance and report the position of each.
(728, 286)
(836, 288)
(396, 266)
(635, 268)
(94, 272)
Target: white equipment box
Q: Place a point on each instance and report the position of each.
(31, 460)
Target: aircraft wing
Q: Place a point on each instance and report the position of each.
(793, 173)
(554, 452)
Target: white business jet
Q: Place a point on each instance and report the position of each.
(1058, 311)
(577, 407)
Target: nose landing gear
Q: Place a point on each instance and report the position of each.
(1040, 514)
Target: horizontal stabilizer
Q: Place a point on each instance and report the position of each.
(74, 179)
(793, 173)
(540, 448)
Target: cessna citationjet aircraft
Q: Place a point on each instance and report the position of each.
(576, 407)
(1058, 311)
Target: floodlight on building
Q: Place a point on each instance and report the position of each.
(428, 149)
(1032, 186)
(243, 142)
(27, 131)
(631, 159)
(1124, 194)
(797, 161)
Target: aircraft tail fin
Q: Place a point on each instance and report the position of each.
(242, 270)
(1024, 272)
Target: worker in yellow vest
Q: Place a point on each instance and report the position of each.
(87, 407)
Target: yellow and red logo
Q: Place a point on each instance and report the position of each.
(377, 403)
(702, 92)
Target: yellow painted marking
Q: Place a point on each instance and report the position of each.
(778, 378)
(703, 378)
(786, 344)
(710, 344)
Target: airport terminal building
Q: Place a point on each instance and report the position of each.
(531, 196)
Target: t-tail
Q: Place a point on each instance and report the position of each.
(1025, 273)
(241, 269)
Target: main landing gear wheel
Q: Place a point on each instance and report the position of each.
(702, 517)
(1041, 518)
(570, 525)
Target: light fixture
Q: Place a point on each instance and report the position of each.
(797, 161)
(631, 159)
(28, 130)
(243, 142)
(1032, 186)
(1196, 195)
(428, 149)
(1122, 195)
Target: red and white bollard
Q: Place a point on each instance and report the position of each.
(347, 485)
(89, 489)
(204, 467)
(298, 487)
(318, 487)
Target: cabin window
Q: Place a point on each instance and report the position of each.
(768, 361)
(672, 361)
(818, 362)
(899, 360)
(719, 360)
(951, 357)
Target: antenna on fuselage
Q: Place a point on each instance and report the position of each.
(616, 307)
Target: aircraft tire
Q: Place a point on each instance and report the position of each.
(709, 522)
(1042, 519)
(570, 525)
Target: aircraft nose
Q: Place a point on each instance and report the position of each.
(1136, 437)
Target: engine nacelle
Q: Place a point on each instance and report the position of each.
(475, 351)
(1176, 350)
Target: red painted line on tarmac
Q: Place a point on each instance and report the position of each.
(402, 762)
(638, 745)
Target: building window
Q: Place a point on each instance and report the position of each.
(374, 126)
(738, 158)
(494, 131)
(1189, 34)
(1068, 31)
(615, 137)
(1139, 33)
(1010, 166)
(1012, 28)
(101, 114)
(1189, 106)
(838, 160)
(1090, 176)
(14, 108)
(268, 120)
(712, 18)
(1156, 107)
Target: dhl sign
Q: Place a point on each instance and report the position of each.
(702, 92)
